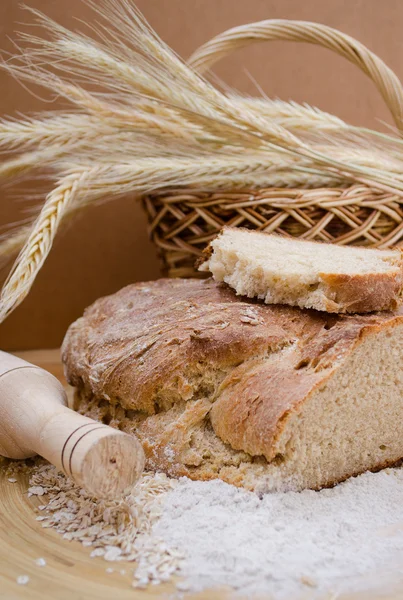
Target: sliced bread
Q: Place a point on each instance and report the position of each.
(326, 277)
(265, 397)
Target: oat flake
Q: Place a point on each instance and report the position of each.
(283, 545)
(118, 530)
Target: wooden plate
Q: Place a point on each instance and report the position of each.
(70, 573)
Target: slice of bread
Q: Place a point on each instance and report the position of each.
(280, 270)
(265, 397)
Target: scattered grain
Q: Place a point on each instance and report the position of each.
(116, 530)
(308, 581)
(36, 490)
(141, 584)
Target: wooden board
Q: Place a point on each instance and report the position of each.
(70, 573)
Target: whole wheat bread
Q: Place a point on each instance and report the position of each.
(326, 277)
(265, 397)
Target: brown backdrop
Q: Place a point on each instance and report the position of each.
(108, 246)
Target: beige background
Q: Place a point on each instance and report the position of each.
(108, 247)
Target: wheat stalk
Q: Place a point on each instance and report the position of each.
(155, 123)
(174, 75)
(123, 76)
(39, 243)
(161, 66)
(293, 116)
(54, 130)
(166, 73)
(145, 175)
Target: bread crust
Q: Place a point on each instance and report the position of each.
(243, 471)
(194, 347)
(252, 414)
(158, 335)
(362, 293)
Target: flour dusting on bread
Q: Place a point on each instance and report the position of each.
(264, 397)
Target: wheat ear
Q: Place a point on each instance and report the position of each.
(39, 243)
(293, 116)
(55, 129)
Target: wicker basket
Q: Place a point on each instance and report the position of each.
(182, 222)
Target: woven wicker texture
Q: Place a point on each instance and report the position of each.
(182, 222)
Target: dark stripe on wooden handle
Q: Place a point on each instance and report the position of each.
(79, 440)
(67, 441)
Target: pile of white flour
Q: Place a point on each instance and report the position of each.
(288, 546)
(313, 544)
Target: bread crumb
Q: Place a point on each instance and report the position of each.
(169, 454)
(40, 562)
(182, 586)
(22, 579)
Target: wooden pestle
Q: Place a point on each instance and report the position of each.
(34, 419)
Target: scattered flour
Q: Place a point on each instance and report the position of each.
(286, 543)
(281, 546)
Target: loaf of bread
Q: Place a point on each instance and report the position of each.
(265, 397)
(280, 270)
